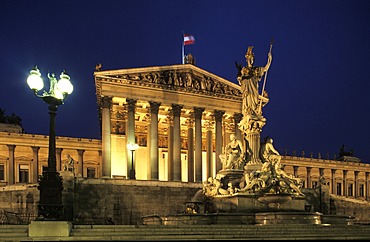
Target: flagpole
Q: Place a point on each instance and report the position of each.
(183, 62)
(183, 51)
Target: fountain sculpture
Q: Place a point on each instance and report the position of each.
(252, 186)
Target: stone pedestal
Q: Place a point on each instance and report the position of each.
(49, 228)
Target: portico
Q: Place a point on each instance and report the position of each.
(181, 117)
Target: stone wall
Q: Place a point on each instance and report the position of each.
(359, 209)
(99, 200)
(124, 201)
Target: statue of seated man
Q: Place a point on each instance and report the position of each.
(69, 165)
(232, 158)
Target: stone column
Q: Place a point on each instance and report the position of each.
(367, 175)
(131, 106)
(190, 150)
(106, 104)
(295, 171)
(219, 140)
(100, 171)
(210, 170)
(308, 174)
(333, 185)
(176, 113)
(237, 118)
(154, 108)
(345, 192)
(170, 148)
(198, 143)
(35, 170)
(356, 184)
(58, 154)
(148, 143)
(80, 162)
(11, 175)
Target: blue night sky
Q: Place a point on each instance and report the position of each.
(318, 83)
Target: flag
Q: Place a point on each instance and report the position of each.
(189, 39)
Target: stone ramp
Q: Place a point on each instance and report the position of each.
(195, 232)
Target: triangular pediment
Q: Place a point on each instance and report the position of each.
(186, 78)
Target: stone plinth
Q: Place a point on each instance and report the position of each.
(49, 228)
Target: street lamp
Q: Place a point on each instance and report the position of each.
(50, 206)
(132, 148)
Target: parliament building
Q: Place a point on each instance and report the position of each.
(181, 117)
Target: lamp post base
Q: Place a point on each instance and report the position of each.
(50, 206)
(132, 174)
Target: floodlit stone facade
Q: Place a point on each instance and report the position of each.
(181, 116)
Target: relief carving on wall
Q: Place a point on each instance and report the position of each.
(182, 81)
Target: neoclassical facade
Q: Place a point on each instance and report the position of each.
(181, 117)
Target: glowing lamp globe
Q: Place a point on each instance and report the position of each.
(132, 147)
(34, 80)
(64, 84)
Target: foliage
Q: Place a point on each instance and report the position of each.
(10, 119)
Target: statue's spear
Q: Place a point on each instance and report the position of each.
(264, 81)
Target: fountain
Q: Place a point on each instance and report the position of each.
(252, 186)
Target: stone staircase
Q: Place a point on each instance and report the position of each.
(13, 232)
(196, 232)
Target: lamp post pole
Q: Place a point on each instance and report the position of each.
(50, 205)
(132, 171)
(132, 148)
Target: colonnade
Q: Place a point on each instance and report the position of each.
(35, 170)
(339, 180)
(194, 141)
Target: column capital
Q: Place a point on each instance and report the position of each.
(11, 147)
(131, 104)
(169, 119)
(218, 114)
(198, 112)
(189, 122)
(35, 148)
(58, 150)
(106, 102)
(209, 125)
(154, 107)
(80, 151)
(238, 117)
(176, 109)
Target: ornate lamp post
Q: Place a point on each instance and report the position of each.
(50, 206)
(132, 148)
